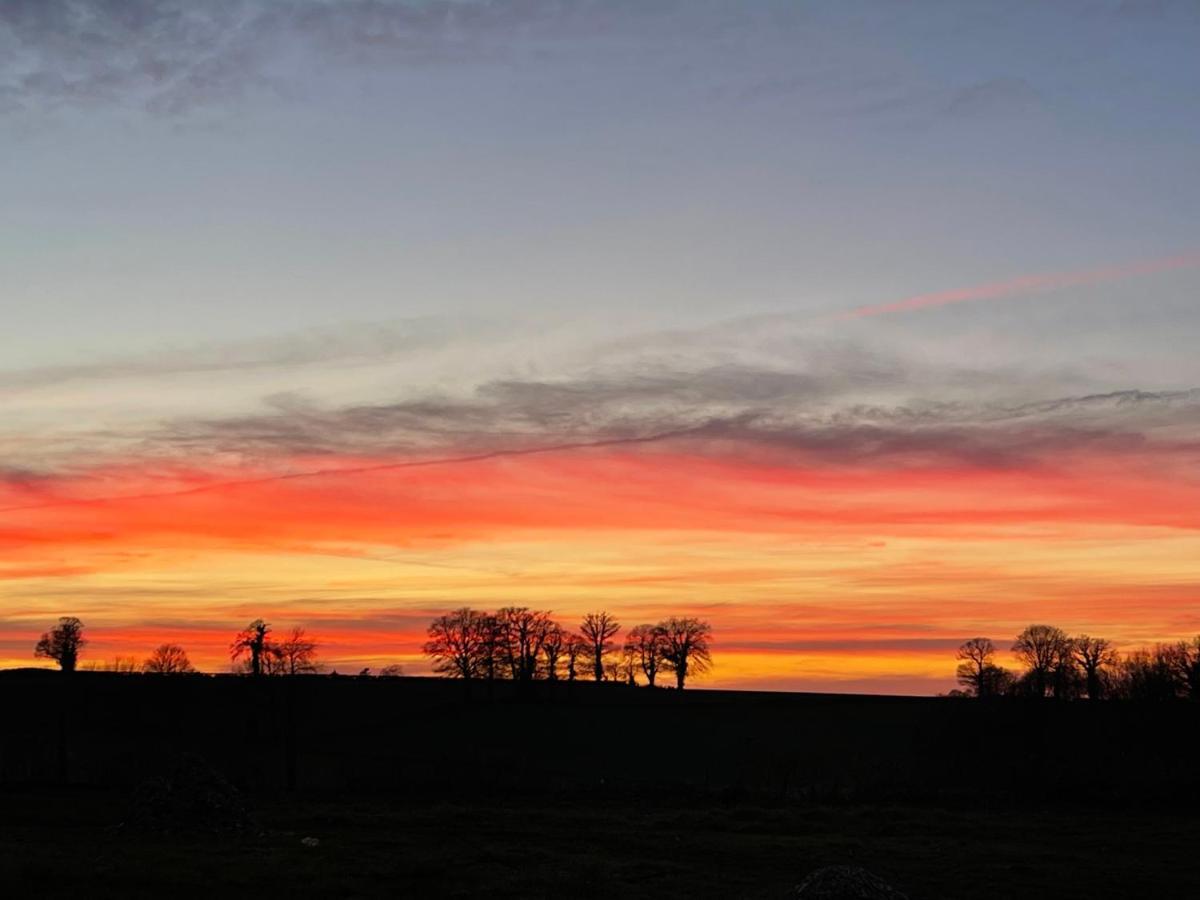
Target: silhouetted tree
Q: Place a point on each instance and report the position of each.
(628, 667)
(1066, 682)
(1184, 659)
(120, 665)
(997, 681)
(685, 647)
(976, 659)
(1147, 675)
(522, 634)
(298, 654)
(1044, 650)
(598, 629)
(455, 640)
(272, 660)
(168, 659)
(252, 642)
(62, 643)
(1095, 656)
(392, 670)
(553, 647)
(647, 643)
(574, 648)
(490, 648)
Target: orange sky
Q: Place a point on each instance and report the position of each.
(814, 574)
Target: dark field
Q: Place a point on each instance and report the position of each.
(412, 789)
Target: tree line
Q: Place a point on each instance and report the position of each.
(520, 644)
(513, 643)
(1070, 667)
(254, 651)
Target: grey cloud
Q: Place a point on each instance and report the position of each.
(21, 476)
(170, 56)
(764, 389)
(513, 413)
(781, 435)
(348, 345)
(719, 410)
(82, 52)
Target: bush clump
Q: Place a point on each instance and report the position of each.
(846, 883)
(191, 797)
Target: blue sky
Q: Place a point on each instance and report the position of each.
(298, 165)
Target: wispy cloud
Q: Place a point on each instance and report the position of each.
(1028, 284)
(344, 346)
(171, 57)
(778, 419)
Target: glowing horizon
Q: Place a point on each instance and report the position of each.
(799, 562)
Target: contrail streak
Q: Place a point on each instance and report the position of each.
(1024, 285)
(363, 470)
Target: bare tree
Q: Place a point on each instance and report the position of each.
(997, 681)
(1043, 649)
(1096, 656)
(554, 645)
(118, 665)
(272, 660)
(1066, 682)
(168, 659)
(612, 671)
(647, 643)
(252, 643)
(298, 654)
(490, 648)
(62, 643)
(522, 634)
(629, 665)
(454, 643)
(973, 672)
(686, 647)
(598, 629)
(1185, 661)
(574, 648)
(1147, 675)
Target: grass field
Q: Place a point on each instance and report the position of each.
(415, 788)
(60, 844)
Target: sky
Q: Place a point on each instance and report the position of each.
(857, 329)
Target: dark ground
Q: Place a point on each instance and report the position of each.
(66, 845)
(414, 791)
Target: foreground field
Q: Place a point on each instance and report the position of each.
(67, 845)
(419, 788)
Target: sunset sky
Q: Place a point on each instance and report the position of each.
(857, 329)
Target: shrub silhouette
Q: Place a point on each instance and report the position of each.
(192, 796)
(168, 659)
(62, 643)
